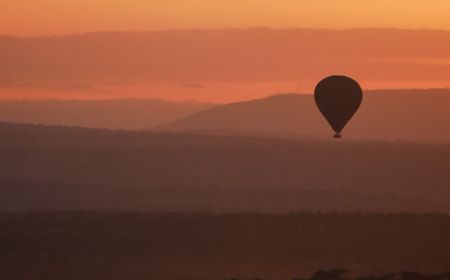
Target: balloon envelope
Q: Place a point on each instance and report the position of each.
(338, 98)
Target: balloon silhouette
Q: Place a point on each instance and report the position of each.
(338, 98)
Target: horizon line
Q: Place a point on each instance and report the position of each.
(84, 33)
(27, 99)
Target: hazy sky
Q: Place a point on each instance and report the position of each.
(46, 17)
(218, 65)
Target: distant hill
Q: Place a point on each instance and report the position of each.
(62, 168)
(407, 115)
(112, 113)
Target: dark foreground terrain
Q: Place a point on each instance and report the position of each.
(59, 168)
(343, 274)
(67, 197)
(90, 245)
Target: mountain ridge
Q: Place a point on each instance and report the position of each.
(408, 115)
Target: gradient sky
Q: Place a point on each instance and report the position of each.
(48, 17)
(217, 63)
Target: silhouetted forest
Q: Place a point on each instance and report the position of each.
(17, 195)
(82, 245)
(45, 168)
(56, 168)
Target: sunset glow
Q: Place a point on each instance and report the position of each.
(49, 17)
(229, 50)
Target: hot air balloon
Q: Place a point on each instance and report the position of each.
(338, 98)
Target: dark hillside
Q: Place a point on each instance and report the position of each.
(113, 246)
(406, 115)
(194, 172)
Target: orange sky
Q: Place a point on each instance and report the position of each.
(46, 17)
(218, 64)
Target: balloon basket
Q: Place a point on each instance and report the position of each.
(337, 136)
